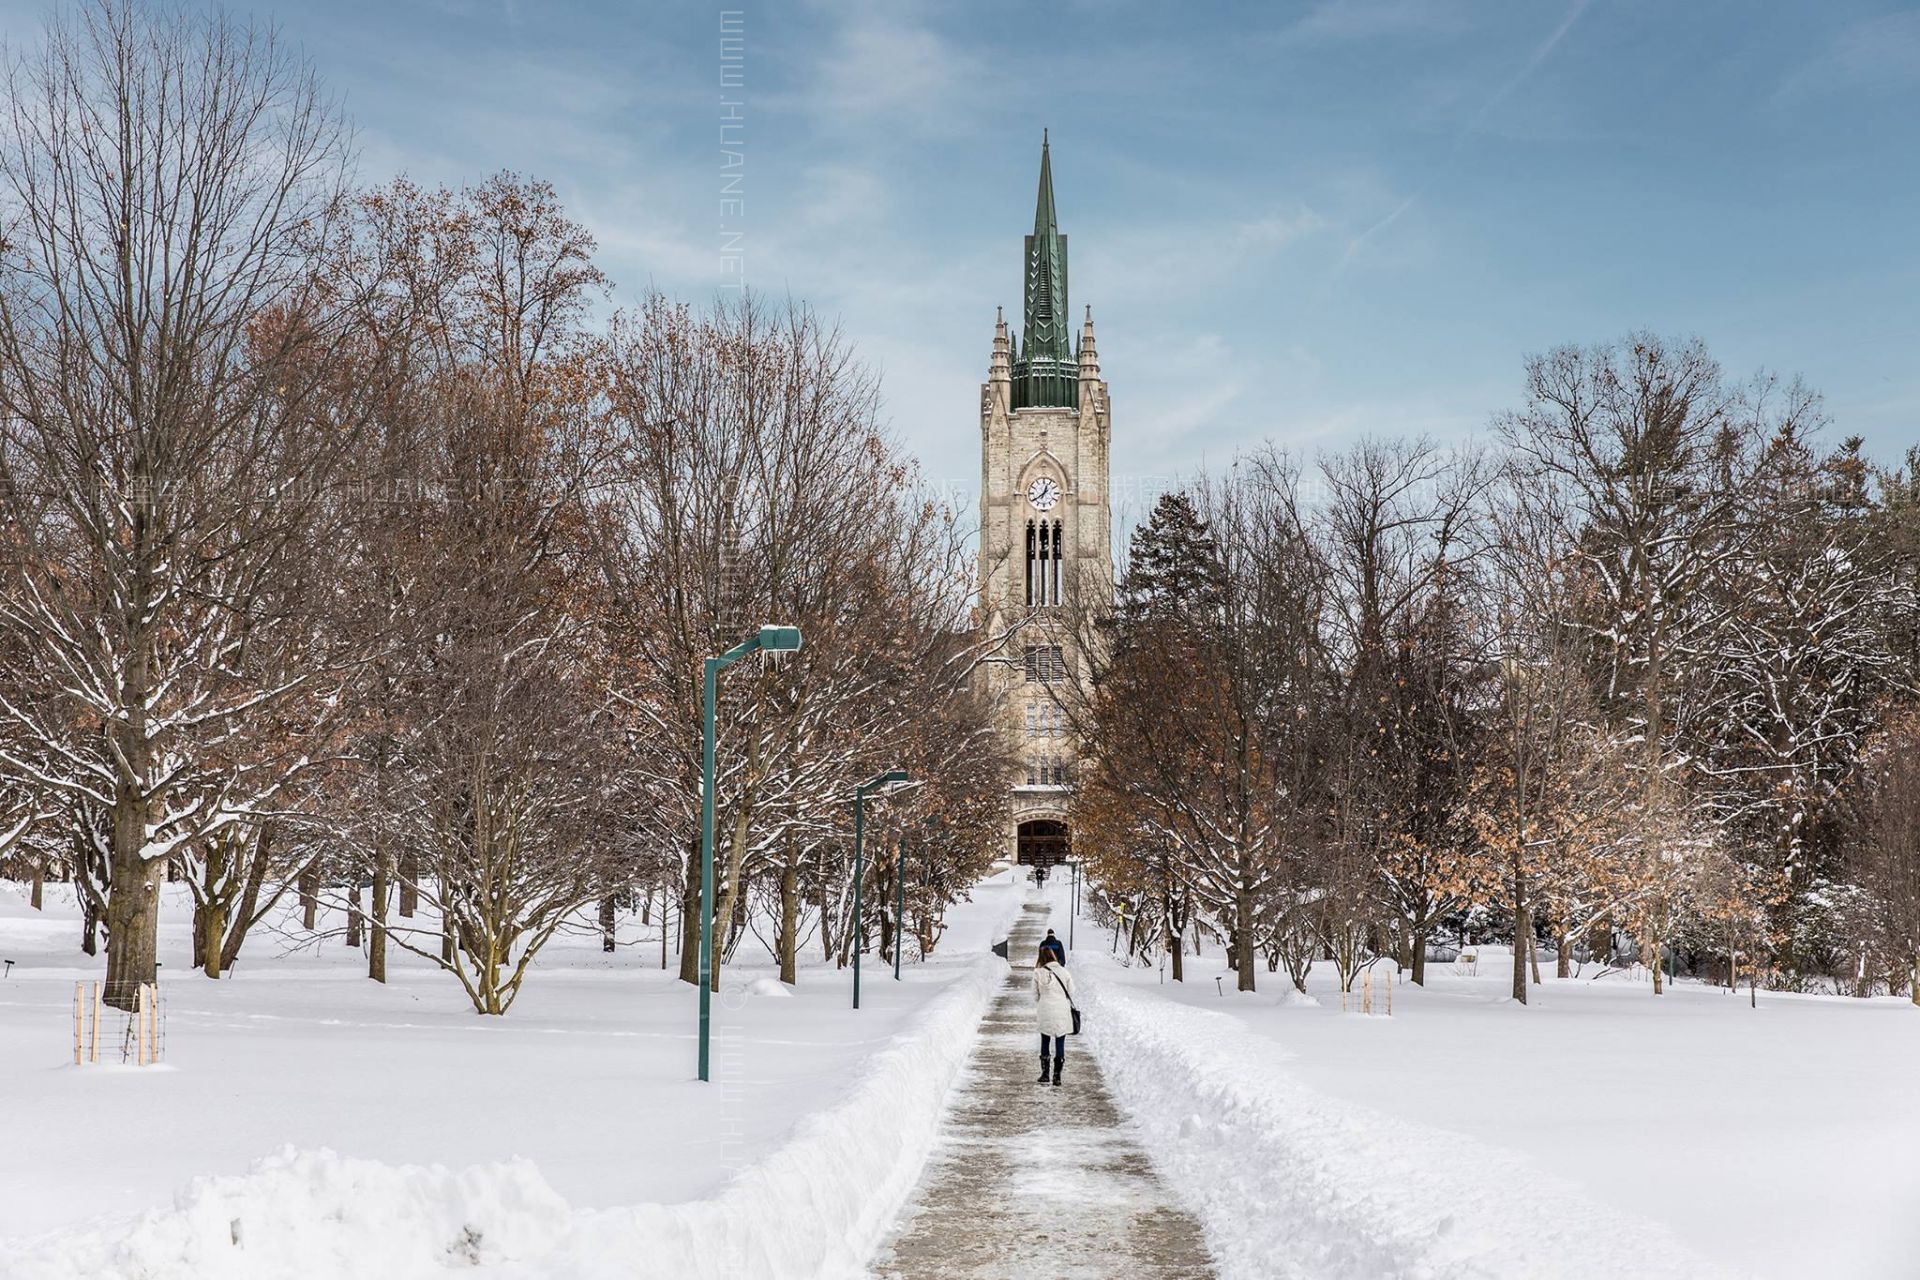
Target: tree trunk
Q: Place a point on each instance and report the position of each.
(731, 898)
(607, 922)
(1243, 942)
(1419, 959)
(353, 911)
(409, 886)
(826, 923)
(1175, 949)
(1533, 956)
(1522, 930)
(89, 927)
(736, 924)
(1654, 947)
(210, 945)
(39, 884)
(133, 908)
(1563, 963)
(789, 943)
(310, 895)
(1914, 989)
(377, 934)
(690, 921)
(245, 917)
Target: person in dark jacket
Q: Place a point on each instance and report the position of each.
(1057, 947)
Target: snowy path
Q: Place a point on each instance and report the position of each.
(1028, 1179)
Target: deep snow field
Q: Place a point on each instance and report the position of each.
(309, 1124)
(1465, 1135)
(590, 1078)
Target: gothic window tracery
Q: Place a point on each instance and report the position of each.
(1045, 548)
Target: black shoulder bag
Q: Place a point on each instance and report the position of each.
(1069, 995)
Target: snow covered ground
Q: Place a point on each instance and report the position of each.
(308, 1120)
(1601, 1131)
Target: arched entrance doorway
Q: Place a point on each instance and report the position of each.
(1042, 842)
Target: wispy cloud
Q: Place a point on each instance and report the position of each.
(1354, 20)
(1875, 55)
(1539, 55)
(882, 71)
(1535, 59)
(1152, 261)
(1282, 177)
(1359, 242)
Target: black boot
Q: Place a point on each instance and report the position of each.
(1056, 1070)
(1043, 1070)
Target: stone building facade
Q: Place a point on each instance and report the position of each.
(1046, 558)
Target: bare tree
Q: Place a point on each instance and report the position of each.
(1399, 536)
(755, 485)
(163, 182)
(1886, 826)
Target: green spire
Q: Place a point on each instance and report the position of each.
(1046, 375)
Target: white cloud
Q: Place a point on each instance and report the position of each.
(1149, 263)
(883, 75)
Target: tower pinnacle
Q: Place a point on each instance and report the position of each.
(1046, 375)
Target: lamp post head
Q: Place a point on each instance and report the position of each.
(779, 639)
(878, 781)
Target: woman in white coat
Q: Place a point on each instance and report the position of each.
(1053, 993)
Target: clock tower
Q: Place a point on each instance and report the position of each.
(1046, 559)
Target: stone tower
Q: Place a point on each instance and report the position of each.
(1045, 525)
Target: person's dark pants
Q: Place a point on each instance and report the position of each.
(1059, 1044)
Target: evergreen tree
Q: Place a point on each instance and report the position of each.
(1173, 563)
(1799, 659)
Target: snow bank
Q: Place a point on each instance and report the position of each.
(311, 1214)
(820, 1205)
(817, 1206)
(1289, 1182)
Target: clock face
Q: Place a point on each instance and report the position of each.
(1043, 493)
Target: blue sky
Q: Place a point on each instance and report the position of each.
(1296, 221)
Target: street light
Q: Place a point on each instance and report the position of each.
(1073, 908)
(886, 779)
(767, 640)
(899, 903)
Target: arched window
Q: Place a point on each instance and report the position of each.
(1044, 553)
(1053, 595)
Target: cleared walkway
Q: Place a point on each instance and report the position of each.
(1030, 1180)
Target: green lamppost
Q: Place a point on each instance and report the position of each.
(768, 640)
(899, 903)
(1073, 908)
(886, 779)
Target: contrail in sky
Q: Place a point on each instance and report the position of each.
(1472, 126)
